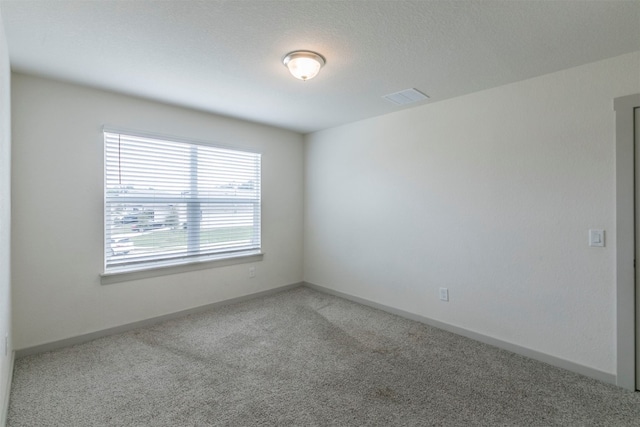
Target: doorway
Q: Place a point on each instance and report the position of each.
(627, 325)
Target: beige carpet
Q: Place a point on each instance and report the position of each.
(303, 358)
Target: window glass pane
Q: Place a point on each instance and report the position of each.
(170, 202)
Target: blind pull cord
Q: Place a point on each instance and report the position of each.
(119, 163)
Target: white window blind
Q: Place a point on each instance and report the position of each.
(171, 202)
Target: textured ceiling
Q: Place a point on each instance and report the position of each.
(225, 56)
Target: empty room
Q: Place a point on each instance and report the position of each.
(312, 213)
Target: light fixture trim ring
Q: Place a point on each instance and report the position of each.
(304, 54)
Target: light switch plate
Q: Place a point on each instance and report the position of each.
(596, 238)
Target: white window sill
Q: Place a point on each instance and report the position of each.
(144, 273)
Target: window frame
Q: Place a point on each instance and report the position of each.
(157, 266)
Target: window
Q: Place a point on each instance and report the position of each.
(170, 202)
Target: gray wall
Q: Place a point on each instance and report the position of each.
(58, 211)
(490, 195)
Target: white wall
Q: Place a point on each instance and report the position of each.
(5, 223)
(490, 195)
(58, 211)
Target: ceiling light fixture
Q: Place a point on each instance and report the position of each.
(303, 64)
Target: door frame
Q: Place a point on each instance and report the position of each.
(625, 241)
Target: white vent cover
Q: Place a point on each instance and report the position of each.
(407, 96)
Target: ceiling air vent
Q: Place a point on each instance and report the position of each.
(407, 96)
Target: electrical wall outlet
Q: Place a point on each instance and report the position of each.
(252, 272)
(444, 294)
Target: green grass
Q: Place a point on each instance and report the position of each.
(166, 239)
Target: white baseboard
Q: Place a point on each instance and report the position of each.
(505, 345)
(79, 339)
(4, 405)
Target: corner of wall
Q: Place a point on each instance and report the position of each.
(6, 347)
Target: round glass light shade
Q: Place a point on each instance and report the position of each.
(303, 65)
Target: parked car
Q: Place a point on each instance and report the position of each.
(120, 245)
(129, 219)
(147, 227)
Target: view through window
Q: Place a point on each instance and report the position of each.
(172, 202)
